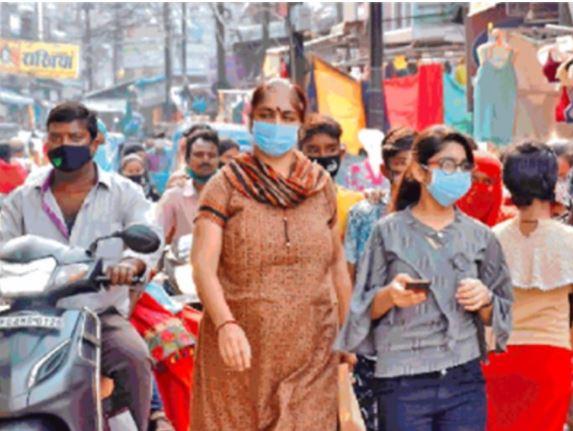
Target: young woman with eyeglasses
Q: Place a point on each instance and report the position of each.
(430, 280)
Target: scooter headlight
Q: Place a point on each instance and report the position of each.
(23, 279)
(48, 364)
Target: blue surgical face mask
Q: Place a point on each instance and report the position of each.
(447, 189)
(275, 140)
(199, 179)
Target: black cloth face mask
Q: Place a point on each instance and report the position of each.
(330, 164)
(137, 179)
(70, 158)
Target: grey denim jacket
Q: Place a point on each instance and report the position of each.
(439, 333)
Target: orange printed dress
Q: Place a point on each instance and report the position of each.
(275, 272)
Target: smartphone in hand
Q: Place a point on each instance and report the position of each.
(418, 286)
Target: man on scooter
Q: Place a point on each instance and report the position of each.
(75, 203)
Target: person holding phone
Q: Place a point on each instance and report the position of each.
(431, 278)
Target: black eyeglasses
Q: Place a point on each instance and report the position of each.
(449, 166)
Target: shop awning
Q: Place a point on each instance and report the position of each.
(8, 97)
(481, 6)
(106, 105)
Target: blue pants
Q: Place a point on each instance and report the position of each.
(453, 400)
(364, 389)
(156, 403)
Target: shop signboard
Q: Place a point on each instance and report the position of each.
(39, 59)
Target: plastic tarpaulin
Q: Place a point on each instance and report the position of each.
(8, 97)
(340, 96)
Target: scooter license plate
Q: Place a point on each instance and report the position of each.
(30, 321)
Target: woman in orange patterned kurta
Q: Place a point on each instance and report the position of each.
(267, 262)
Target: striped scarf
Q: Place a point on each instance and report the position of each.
(255, 180)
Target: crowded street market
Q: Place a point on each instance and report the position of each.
(292, 216)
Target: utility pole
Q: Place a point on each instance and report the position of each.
(40, 20)
(375, 117)
(296, 45)
(220, 30)
(266, 18)
(168, 66)
(88, 46)
(184, 42)
(117, 41)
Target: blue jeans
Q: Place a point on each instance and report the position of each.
(453, 400)
(156, 403)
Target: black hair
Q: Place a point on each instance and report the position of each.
(5, 151)
(563, 149)
(317, 124)
(206, 135)
(228, 144)
(196, 127)
(132, 149)
(298, 97)
(67, 112)
(396, 141)
(530, 172)
(426, 145)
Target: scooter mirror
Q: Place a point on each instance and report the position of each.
(140, 238)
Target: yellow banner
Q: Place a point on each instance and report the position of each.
(340, 96)
(9, 56)
(40, 59)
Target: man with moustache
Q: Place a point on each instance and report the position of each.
(177, 208)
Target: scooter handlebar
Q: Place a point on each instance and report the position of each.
(106, 281)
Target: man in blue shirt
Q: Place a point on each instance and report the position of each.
(396, 154)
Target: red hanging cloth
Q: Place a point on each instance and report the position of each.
(430, 95)
(401, 96)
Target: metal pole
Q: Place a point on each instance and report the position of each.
(40, 19)
(296, 51)
(88, 46)
(184, 42)
(375, 114)
(220, 26)
(168, 68)
(116, 46)
(290, 31)
(265, 27)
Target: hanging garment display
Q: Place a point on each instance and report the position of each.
(430, 95)
(494, 101)
(461, 74)
(536, 97)
(550, 68)
(564, 109)
(455, 105)
(402, 101)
